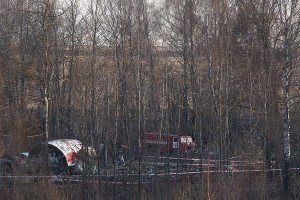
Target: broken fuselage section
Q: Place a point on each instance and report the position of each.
(65, 156)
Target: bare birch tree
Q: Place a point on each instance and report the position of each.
(43, 22)
(288, 24)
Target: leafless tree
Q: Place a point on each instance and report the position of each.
(44, 26)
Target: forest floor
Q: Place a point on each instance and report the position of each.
(247, 185)
(162, 178)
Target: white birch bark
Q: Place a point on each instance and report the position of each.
(285, 93)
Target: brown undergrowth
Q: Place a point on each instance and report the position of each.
(219, 186)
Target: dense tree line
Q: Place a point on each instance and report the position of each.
(223, 71)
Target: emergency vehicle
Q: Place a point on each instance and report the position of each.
(168, 142)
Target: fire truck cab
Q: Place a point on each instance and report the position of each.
(168, 142)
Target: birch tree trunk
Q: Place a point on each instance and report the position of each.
(286, 130)
(43, 22)
(287, 7)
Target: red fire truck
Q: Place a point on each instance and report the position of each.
(168, 142)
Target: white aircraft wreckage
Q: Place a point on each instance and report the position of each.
(65, 157)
